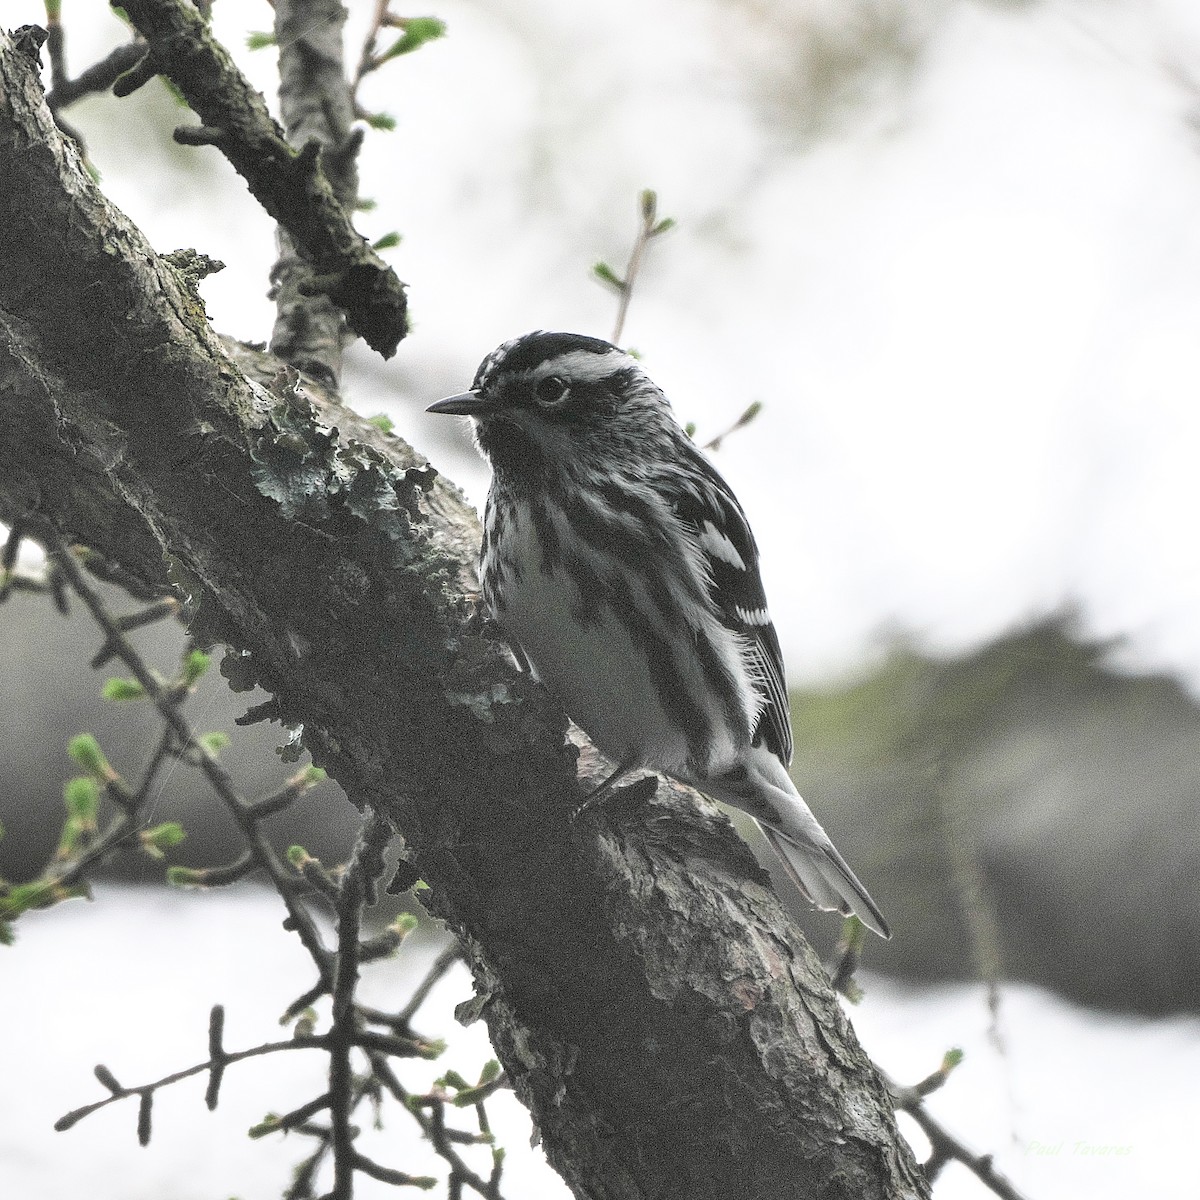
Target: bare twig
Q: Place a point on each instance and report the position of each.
(748, 414)
(99, 77)
(367, 60)
(357, 884)
(415, 32)
(945, 1147)
(118, 1092)
(444, 961)
(651, 227)
(349, 890)
(167, 703)
(429, 1113)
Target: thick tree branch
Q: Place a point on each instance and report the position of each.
(315, 101)
(289, 184)
(669, 1029)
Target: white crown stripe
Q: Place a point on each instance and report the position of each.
(582, 366)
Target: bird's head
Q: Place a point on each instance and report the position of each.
(546, 402)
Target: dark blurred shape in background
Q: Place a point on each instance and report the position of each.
(1022, 812)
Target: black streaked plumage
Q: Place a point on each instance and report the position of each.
(621, 565)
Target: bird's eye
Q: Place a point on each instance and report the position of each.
(552, 391)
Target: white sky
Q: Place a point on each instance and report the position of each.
(971, 312)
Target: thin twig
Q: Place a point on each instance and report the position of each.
(945, 1147)
(357, 881)
(650, 228)
(450, 955)
(217, 776)
(97, 78)
(316, 1042)
(433, 1127)
(366, 60)
(747, 415)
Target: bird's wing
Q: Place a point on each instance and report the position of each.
(703, 501)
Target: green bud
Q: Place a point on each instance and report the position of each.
(483, 1089)
(382, 421)
(195, 663)
(85, 750)
(82, 798)
(161, 837)
(185, 877)
(269, 1124)
(123, 689)
(298, 857)
(40, 893)
(603, 272)
(69, 839)
(214, 742)
(258, 40)
(387, 242)
(417, 31)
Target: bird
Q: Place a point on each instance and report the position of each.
(619, 565)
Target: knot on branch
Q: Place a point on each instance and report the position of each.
(29, 40)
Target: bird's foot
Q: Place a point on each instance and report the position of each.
(638, 792)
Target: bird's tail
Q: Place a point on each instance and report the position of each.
(762, 788)
(824, 877)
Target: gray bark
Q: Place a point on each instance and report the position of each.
(315, 101)
(671, 1032)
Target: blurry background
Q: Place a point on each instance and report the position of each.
(953, 248)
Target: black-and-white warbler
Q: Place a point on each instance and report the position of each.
(621, 566)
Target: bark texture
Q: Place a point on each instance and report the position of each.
(286, 182)
(669, 1029)
(315, 101)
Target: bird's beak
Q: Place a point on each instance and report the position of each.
(466, 404)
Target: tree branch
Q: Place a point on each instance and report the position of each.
(289, 184)
(668, 1027)
(315, 101)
